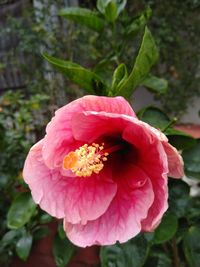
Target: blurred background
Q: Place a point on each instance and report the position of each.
(29, 27)
(31, 90)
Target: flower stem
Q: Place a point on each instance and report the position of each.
(169, 124)
(175, 253)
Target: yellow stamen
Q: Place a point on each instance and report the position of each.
(85, 160)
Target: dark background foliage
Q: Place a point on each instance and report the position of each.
(31, 90)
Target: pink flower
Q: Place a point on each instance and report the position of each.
(102, 170)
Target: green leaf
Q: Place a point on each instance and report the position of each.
(130, 254)
(101, 4)
(111, 8)
(179, 198)
(191, 246)
(149, 236)
(83, 16)
(9, 237)
(167, 228)
(193, 214)
(182, 228)
(41, 232)
(193, 175)
(110, 12)
(87, 79)
(138, 23)
(154, 116)
(120, 5)
(155, 84)
(61, 231)
(180, 139)
(191, 159)
(62, 251)
(120, 74)
(158, 259)
(45, 218)
(23, 246)
(20, 211)
(146, 58)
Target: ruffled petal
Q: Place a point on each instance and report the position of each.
(59, 139)
(87, 198)
(76, 198)
(159, 206)
(153, 161)
(47, 186)
(148, 143)
(175, 161)
(90, 125)
(122, 220)
(115, 105)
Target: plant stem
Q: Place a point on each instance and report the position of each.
(175, 253)
(165, 248)
(169, 124)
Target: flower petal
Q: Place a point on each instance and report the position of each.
(159, 206)
(150, 151)
(76, 198)
(122, 220)
(59, 139)
(175, 161)
(87, 198)
(115, 105)
(47, 186)
(89, 125)
(153, 161)
(151, 155)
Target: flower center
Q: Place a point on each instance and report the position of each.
(86, 160)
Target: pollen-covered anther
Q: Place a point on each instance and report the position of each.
(86, 160)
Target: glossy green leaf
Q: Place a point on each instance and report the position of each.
(120, 5)
(193, 175)
(87, 79)
(155, 84)
(9, 237)
(120, 74)
(45, 218)
(149, 236)
(182, 228)
(155, 117)
(179, 198)
(193, 214)
(111, 8)
(62, 251)
(167, 228)
(180, 139)
(138, 23)
(191, 158)
(83, 16)
(41, 232)
(110, 12)
(101, 4)
(23, 246)
(191, 246)
(20, 211)
(159, 259)
(61, 231)
(163, 260)
(130, 254)
(146, 58)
